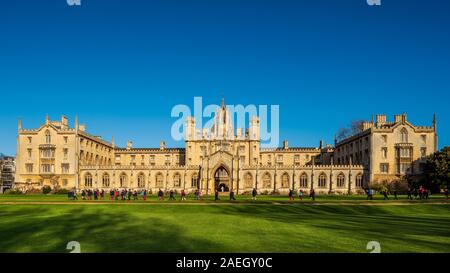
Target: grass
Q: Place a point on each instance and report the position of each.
(269, 225)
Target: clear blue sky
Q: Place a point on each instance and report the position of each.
(122, 64)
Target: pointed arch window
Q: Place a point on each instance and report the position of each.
(404, 135)
(48, 137)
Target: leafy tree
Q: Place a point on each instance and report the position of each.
(437, 169)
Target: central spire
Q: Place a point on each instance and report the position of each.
(223, 103)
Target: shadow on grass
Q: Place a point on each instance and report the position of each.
(97, 230)
(411, 226)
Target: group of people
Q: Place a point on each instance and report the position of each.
(124, 194)
(420, 193)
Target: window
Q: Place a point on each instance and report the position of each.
(423, 152)
(123, 180)
(65, 152)
(285, 181)
(424, 139)
(322, 181)
(296, 158)
(65, 182)
(159, 180)
(48, 137)
(194, 181)
(152, 160)
(384, 139)
(266, 180)
(279, 157)
(29, 167)
(359, 181)
(384, 168)
(65, 139)
(404, 135)
(47, 168)
(307, 157)
(404, 168)
(177, 180)
(384, 152)
(141, 180)
(29, 140)
(48, 153)
(248, 180)
(105, 180)
(88, 180)
(303, 181)
(341, 180)
(242, 159)
(405, 152)
(65, 168)
(167, 160)
(242, 149)
(29, 153)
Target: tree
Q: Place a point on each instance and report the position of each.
(354, 128)
(437, 169)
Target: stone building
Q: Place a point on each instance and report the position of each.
(220, 158)
(390, 150)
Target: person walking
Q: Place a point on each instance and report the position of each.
(183, 195)
(395, 195)
(171, 195)
(232, 195)
(254, 193)
(216, 195)
(385, 194)
(300, 195)
(160, 195)
(135, 195)
(312, 194)
(409, 194)
(291, 195)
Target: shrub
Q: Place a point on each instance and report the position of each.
(61, 191)
(12, 192)
(46, 189)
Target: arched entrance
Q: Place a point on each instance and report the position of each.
(222, 180)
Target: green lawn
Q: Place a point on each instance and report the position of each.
(270, 225)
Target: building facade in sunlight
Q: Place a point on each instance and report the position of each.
(221, 158)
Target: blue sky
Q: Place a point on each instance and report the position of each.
(121, 65)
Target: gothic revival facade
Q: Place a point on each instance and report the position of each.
(222, 158)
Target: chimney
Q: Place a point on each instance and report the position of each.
(381, 120)
(367, 125)
(19, 124)
(162, 145)
(285, 145)
(47, 120)
(82, 127)
(113, 142)
(398, 118)
(404, 117)
(321, 144)
(64, 122)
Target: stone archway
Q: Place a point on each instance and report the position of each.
(222, 179)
